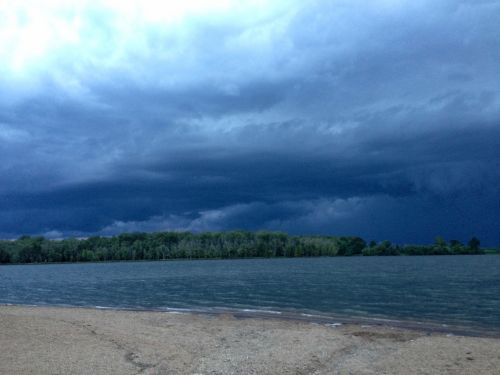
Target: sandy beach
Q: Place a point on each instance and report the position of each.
(39, 340)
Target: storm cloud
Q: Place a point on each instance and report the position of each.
(379, 119)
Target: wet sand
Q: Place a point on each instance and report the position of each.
(40, 340)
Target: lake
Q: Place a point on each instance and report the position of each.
(456, 290)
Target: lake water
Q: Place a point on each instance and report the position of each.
(456, 290)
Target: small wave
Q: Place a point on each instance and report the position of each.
(262, 311)
(333, 325)
(314, 316)
(176, 309)
(21, 304)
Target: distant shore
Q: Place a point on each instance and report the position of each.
(215, 245)
(53, 340)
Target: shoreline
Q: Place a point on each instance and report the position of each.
(83, 341)
(298, 316)
(487, 253)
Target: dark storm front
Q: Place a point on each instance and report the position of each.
(460, 290)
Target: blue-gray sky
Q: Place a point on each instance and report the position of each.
(375, 118)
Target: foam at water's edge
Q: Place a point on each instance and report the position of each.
(327, 320)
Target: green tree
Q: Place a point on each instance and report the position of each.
(456, 247)
(4, 255)
(440, 246)
(474, 245)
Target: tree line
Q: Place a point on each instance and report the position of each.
(211, 245)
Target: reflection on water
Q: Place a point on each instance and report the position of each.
(445, 289)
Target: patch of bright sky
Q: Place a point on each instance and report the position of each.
(69, 43)
(30, 30)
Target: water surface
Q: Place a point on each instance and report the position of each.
(459, 290)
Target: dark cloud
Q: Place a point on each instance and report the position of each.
(342, 117)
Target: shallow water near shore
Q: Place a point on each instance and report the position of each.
(446, 290)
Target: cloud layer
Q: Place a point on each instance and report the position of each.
(339, 117)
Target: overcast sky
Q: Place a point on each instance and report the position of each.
(346, 117)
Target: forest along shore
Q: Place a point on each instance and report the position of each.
(51, 340)
(215, 245)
